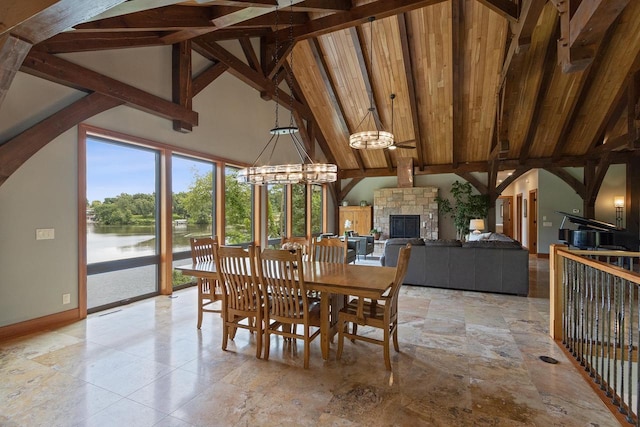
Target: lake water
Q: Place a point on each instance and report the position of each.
(109, 243)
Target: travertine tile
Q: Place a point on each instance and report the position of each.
(467, 359)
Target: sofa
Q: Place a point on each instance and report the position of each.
(493, 264)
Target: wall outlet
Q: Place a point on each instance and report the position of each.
(66, 298)
(45, 233)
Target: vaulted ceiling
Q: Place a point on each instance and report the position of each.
(480, 85)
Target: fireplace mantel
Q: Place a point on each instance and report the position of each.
(407, 201)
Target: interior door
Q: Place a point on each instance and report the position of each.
(533, 222)
(518, 218)
(507, 215)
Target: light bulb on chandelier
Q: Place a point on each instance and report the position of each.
(305, 172)
(373, 137)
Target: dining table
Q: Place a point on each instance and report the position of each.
(364, 281)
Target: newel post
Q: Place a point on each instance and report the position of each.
(556, 287)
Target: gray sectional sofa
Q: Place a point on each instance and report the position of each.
(491, 265)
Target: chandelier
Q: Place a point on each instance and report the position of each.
(370, 139)
(262, 172)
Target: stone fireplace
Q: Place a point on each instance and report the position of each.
(406, 201)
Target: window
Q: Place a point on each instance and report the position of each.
(276, 213)
(122, 238)
(299, 210)
(316, 210)
(238, 209)
(193, 208)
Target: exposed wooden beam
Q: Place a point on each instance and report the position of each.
(255, 79)
(15, 152)
(59, 17)
(530, 11)
(411, 87)
(609, 115)
(48, 19)
(633, 107)
(471, 179)
(517, 173)
(587, 26)
(595, 181)
(181, 83)
(505, 8)
(569, 179)
(133, 6)
(15, 13)
(82, 42)
(330, 89)
(250, 53)
(522, 32)
(61, 71)
(229, 18)
(12, 54)
(207, 76)
(347, 188)
(583, 86)
(357, 15)
(540, 95)
(167, 18)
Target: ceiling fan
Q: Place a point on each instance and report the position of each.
(401, 145)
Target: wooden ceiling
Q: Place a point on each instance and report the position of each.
(480, 85)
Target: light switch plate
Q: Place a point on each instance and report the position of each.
(45, 234)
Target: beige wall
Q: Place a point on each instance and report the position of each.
(234, 123)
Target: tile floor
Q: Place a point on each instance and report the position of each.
(467, 359)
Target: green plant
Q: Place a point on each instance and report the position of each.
(374, 231)
(466, 206)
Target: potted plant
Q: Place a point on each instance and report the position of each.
(375, 233)
(466, 206)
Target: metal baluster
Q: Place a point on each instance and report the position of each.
(630, 316)
(638, 361)
(582, 287)
(591, 310)
(605, 383)
(616, 337)
(565, 301)
(623, 323)
(596, 306)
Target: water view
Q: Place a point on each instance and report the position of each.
(110, 243)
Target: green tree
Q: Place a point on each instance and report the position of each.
(238, 215)
(466, 207)
(275, 211)
(197, 202)
(299, 210)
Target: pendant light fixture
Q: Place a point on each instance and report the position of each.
(372, 136)
(262, 172)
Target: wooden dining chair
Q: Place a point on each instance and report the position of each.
(282, 275)
(302, 241)
(381, 313)
(330, 250)
(209, 290)
(243, 298)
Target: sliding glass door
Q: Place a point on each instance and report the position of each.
(122, 238)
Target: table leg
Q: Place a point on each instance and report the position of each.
(325, 326)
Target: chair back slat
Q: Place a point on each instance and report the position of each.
(202, 248)
(302, 241)
(401, 272)
(282, 275)
(330, 250)
(241, 287)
